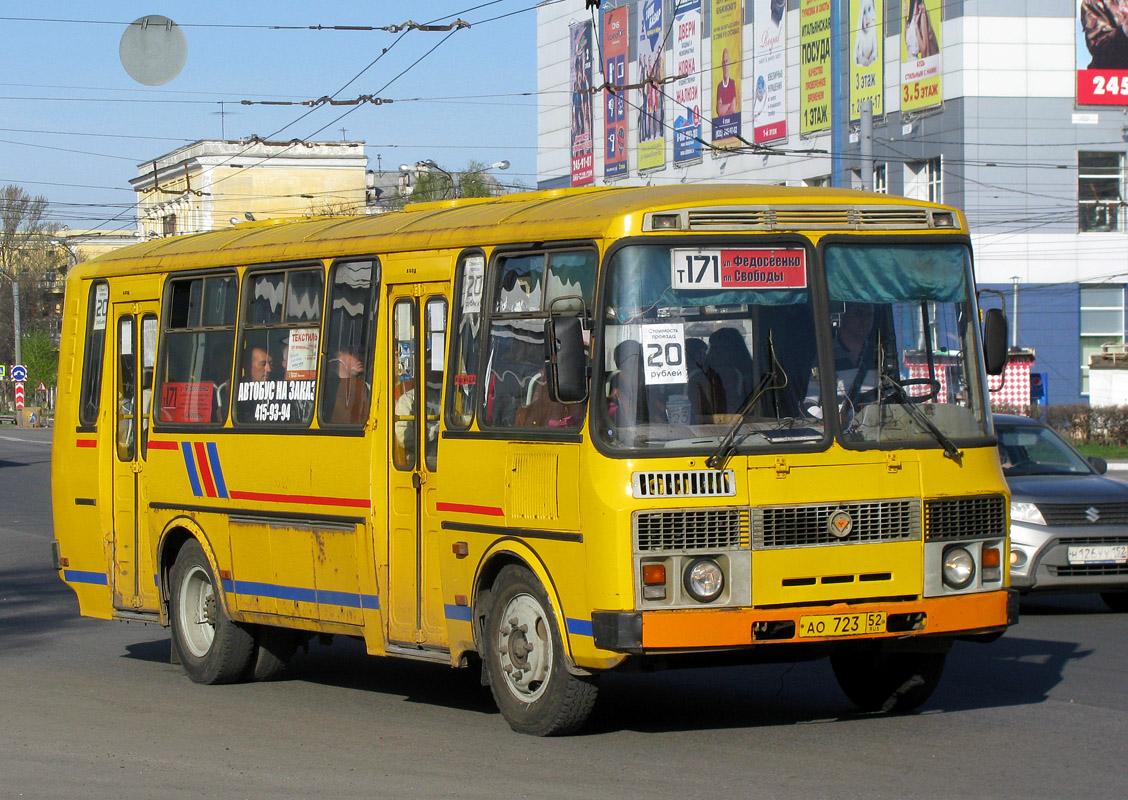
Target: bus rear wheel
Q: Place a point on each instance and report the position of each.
(876, 680)
(211, 648)
(524, 656)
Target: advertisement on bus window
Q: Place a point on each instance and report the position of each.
(727, 67)
(769, 105)
(583, 151)
(1102, 53)
(615, 41)
(867, 59)
(921, 45)
(651, 70)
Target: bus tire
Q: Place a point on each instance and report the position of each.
(524, 656)
(212, 648)
(274, 647)
(888, 682)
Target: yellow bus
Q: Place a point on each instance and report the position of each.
(553, 433)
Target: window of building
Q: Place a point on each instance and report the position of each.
(924, 180)
(194, 386)
(1102, 322)
(168, 225)
(1099, 191)
(280, 346)
(880, 179)
(346, 380)
(528, 286)
(817, 181)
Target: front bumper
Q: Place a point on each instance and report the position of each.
(684, 631)
(1044, 558)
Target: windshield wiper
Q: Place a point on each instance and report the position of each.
(728, 444)
(950, 449)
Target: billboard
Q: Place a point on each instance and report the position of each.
(651, 70)
(920, 54)
(687, 88)
(1102, 53)
(814, 65)
(867, 56)
(727, 55)
(769, 104)
(615, 47)
(583, 158)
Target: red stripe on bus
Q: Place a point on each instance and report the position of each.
(460, 508)
(205, 469)
(349, 502)
(86, 443)
(160, 445)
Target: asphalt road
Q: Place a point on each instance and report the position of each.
(94, 709)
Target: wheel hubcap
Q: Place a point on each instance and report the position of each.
(524, 645)
(198, 611)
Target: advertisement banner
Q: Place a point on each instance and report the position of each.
(920, 54)
(1102, 53)
(687, 89)
(727, 54)
(867, 56)
(615, 47)
(814, 65)
(583, 157)
(769, 106)
(651, 71)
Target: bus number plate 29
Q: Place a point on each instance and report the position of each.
(842, 624)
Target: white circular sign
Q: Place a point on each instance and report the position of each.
(153, 50)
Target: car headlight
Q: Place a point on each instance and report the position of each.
(959, 567)
(704, 580)
(1026, 512)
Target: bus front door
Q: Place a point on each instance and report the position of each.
(135, 355)
(414, 602)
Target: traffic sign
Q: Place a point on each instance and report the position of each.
(42, 387)
(19, 372)
(19, 396)
(3, 371)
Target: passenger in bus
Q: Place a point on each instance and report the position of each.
(629, 402)
(347, 394)
(698, 389)
(258, 365)
(730, 370)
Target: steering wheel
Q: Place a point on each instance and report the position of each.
(894, 389)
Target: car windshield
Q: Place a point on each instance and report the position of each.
(716, 348)
(1037, 450)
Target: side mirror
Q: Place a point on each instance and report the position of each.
(995, 341)
(1099, 464)
(568, 362)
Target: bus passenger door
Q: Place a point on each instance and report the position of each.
(417, 360)
(135, 356)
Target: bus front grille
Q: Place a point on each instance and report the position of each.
(685, 483)
(691, 529)
(776, 527)
(965, 518)
(824, 218)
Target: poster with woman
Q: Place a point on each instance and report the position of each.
(769, 53)
(652, 71)
(867, 60)
(1102, 52)
(583, 158)
(920, 54)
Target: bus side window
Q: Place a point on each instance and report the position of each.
(92, 364)
(346, 377)
(465, 341)
(194, 373)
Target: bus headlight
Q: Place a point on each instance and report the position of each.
(959, 567)
(704, 580)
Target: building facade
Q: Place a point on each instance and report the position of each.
(987, 105)
(212, 184)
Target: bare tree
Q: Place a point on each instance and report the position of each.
(26, 258)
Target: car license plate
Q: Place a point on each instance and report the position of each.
(1098, 554)
(842, 624)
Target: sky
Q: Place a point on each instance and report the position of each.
(74, 126)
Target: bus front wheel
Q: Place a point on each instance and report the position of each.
(877, 680)
(211, 648)
(528, 676)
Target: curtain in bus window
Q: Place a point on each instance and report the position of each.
(892, 273)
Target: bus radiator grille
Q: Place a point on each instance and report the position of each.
(965, 518)
(776, 527)
(691, 529)
(685, 483)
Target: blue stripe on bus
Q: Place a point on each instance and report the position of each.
(190, 464)
(298, 594)
(579, 627)
(459, 613)
(217, 471)
(82, 576)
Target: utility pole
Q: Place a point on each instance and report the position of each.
(1014, 313)
(865, 145)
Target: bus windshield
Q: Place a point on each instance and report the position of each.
(716, 347)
